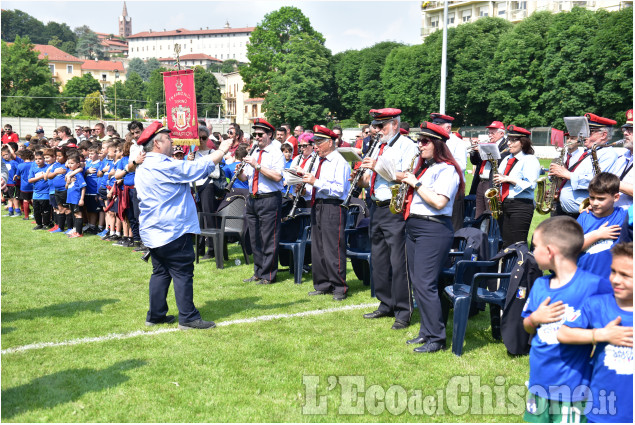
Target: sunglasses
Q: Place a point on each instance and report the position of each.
(258, 134)
(230, 132)
(424, 141)
(367, 132)
(303, 146)
(203, 137)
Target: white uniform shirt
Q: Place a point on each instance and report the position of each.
(273, 159)
(442, 179)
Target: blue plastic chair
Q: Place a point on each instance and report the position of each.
(490, 227)
(466, 289)
(297, 246)
(358, 249)
(469, 210)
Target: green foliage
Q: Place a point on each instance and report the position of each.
(268, 45)
(88, 44)
(68, 47)
(92, 105)
(348, 123)
(23, 74)
(230, 65)
(78, 87)
(151, 65)
(207, 91)
(154, 91)
(346, 75)
(139, 66)
(130, 92)
(300, 90)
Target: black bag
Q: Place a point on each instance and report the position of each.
(220, 184)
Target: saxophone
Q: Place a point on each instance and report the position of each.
(399, 191)
(493, 195)
(596, 170)
(545, 196)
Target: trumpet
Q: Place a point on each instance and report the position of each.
(239, 169)
(360, 171)
(298, 193)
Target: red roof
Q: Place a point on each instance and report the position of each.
(199, 56)
(93, 65)
(255, 99)
(116, 43)
(52, 53)
(183, 31)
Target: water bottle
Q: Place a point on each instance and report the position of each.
(237, 261)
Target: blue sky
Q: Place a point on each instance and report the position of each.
(344, 24)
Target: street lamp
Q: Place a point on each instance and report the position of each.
(130, 112)
(116, 78)
(157, 110)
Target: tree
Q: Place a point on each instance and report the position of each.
(516, 77)
(116, 95)
(151, 65)
(346, 77)
(92, 105)
(17, 23)
(28, 77)
(78, 87)
(230, 65)
(88, 44)
(68, 47)
(208, 95)
(301, 90)
(154, 90)
(61, 31)
(269, 43)
(137, 65)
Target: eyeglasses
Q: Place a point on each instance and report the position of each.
(367, 132)
(230, 133)
(203, 137)
(303, 146)
(378, 126)
(627, 130)
(258, 134)
(423, 141)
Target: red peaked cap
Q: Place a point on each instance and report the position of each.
(320, 133)
(496, 124)
(403, 131)
(380, 116)
(260, 123)
(598, 121)
(433, 130)
(151, 131)
(629, 119)
(515, 131)
(457, 134)
(438, 118)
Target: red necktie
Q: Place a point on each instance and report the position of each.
(409, 195)
(566, 164)
(372, 181)
(304, 161)
(317, 175)
(480, 171)
(254, 185)
(505, 186)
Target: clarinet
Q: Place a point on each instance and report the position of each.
(293, 213)
(239, 169)
(360, 171)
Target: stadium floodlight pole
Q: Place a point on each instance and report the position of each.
(444, 58)
(130, 112)
(157, 110)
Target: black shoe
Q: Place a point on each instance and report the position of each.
(264, 282)
(318, 292)
(38, 227)
(496, 333)
(197, 324)
(377, 314)
(417, 340)
(400, 324)
(251, 279)
(127, 243)
(339, 297)
(208, 255)
(430, 347)
(139, 247)
(166, 319)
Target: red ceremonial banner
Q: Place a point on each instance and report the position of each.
(180, 106)
(557, 137)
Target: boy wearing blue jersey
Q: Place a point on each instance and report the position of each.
(49, 160)
(41, 204)
(107, 156)
(112, 201)
(605, 327)
(11, 190)
(601, 226)
(93, 164)
(75, 192)
(57, 181)
(26, 188)
(558, 374)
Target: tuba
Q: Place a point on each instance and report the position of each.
(545, 196)
(399, 191)
(493, 195)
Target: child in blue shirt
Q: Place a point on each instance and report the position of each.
(41, 204)
(75, 192)
(107, 156)
(93, 164)
(111, 200)
(602, 226)
(26, 188)
(605, 327)
(558, 374)
(56, 176)
(11, 191)
(229, 169)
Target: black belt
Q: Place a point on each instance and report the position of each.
(382, 203)
(328, 201)
(265, 195)
(435, 218)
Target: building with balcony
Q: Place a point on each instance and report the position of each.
(223, 44)
(190, 61)
(239, 107)
(106, 72)
(460, 12)
(62, 65)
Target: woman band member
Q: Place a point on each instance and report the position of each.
(517, 179)
(428, 213)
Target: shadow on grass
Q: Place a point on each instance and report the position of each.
(7, 329)
(63, 387)
(220, 309)
(57, 310)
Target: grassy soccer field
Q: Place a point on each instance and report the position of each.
(75, 348)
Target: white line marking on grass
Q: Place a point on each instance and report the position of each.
(134, 334)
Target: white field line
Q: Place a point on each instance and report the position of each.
(134, 334)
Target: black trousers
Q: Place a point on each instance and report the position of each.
(458, 211)
(328, 248)
(263, 218)
(560, 211)
(133, 214)
(481, 203)
(173, 262)
(515, 220)
(42, 211)
(388, 253)
(427, 246)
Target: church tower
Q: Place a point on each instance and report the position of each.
(125, 23)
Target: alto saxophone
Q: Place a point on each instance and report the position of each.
(400, 191)
(494, 194)
(545, 196)
(596, 170)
